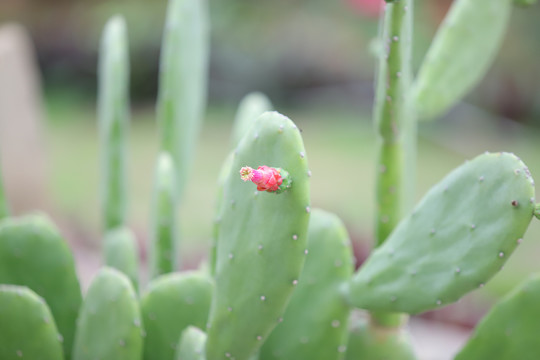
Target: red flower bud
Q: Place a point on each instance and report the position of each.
(266, 178)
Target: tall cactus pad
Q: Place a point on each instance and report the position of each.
(27, 328)
(191, 345)
(262, 240)
(33, 254)
(315, 323)
(456, 239)
(122, 253)
(113, 112)
(172, 303)
(250, 108)
(369, 341)
(164, 232)
(182, 82)
(109, 324)
(460, 54)
(510, 330)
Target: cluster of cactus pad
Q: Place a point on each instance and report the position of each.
(280, 283)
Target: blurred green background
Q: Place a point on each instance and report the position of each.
(313, 59)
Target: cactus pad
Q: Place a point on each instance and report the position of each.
(109, 324)
(27, 328)
(456, 239)
(122, 253)
(315, 323)
(262, 240)
(460, 55)
(33, 254)
(191, 345)
(172, 303)
(250, 108)
(510, 330)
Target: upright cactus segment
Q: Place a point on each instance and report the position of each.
(33, 254)
(250, 108)
(262, 240)
(4, 211)
(27, 328)
(122, 253)
(315, 323)
(510, 330)
(173, 302)
(457, 238)
(191, 345)
(460, 55)
(163, 241)
(113, 112)
(368, 340)
(109, 324)
(182, 82)
(391, 115)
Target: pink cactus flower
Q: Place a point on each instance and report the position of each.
(266, 178)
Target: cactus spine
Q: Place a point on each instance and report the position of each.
(113, 112)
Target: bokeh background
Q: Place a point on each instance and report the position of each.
(313, 58)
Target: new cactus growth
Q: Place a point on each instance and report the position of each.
(113, 111)
(256, 231)
(191, 345)
(121, 253)
(251, 106)
(163, 254)
(171, 304)
(27, 328)
(33, 254)
(109, 326)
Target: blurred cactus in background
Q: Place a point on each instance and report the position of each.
(280, 283)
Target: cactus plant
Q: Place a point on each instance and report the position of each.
(121, 253)
(191, 345)
(109, 324)
(27, 327)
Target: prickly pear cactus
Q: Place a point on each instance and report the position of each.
(172, 303)
(109, 324)
(122, 253)
(510, 330)
(27, 328)
(460, 55)
(164, 232)
(456, 239)
(367, 340)
(33, 254)
(315, 323)
(262, 240)
(250, 108)
(191, 345)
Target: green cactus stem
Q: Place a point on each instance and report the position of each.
(164, 233)
(315, 323)
(113, 113)
(182, 82)
(510, 330)
(172, 303)
(27, 328)
(191, 345)
(122, 253)
(459, 236)
(109, 325)
(461, 52)
(33, 254)
(258, 230)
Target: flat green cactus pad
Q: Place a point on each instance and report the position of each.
(33, 254)
(122, 253)
(261, 245)
(172, 303)
(191, 345)
(461, 53)
(315, 323)
(368, 341)
(27, 328)
(511, 329)
(456, 239)
(109, 324)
